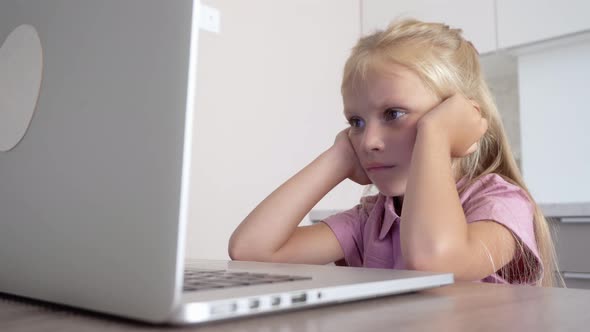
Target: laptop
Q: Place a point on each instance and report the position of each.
(97, 100)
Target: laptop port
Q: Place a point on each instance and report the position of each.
(275, 301)
(299, 298)
(254, 304)
(223, 308)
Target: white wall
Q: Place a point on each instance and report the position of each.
(475, 18)
(555, 116)
(268, 102)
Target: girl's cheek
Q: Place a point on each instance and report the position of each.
(407, 143)
(355, 144)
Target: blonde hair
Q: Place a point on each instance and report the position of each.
(449, 64)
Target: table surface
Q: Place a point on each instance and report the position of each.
(459, 307)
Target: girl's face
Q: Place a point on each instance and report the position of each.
(383, 112)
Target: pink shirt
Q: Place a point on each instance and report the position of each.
(370, 235)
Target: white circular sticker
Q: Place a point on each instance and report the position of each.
(21, 68)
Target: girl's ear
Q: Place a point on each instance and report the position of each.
(475, 105)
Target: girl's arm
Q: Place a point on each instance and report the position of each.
(270, 232)
(435, 235)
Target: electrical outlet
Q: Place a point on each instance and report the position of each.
(209, 19)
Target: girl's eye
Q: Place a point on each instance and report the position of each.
(393, 114)
(356, 122)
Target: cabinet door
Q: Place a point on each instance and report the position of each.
(554, 116)
(571, 244)
(527, 21)
(475, 18)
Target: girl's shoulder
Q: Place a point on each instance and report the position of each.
(494, 187)
(489, 184)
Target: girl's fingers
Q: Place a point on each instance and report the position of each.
(471, 149)
(485, 125)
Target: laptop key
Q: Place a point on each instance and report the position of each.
(196, 279)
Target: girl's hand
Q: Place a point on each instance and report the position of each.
(458, 123)
(345, 151)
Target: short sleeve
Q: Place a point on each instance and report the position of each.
(348, 228)
(493, 198)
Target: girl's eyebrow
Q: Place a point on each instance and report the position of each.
(384, 105)
(393, 104)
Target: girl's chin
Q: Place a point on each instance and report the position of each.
(392, 186)
(392, 191)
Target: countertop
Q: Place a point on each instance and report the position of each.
(550, 210)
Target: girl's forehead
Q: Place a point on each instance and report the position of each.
(393, 85)
(378, 81)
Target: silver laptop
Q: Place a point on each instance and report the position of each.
(96, 112)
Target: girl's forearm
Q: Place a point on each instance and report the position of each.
(267, 228)
(433, 222)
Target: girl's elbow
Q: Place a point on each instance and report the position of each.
(238, 251)
(234, 254)
(431, 260)
(234, 251)
(420, 263)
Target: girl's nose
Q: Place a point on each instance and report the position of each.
(373, 140)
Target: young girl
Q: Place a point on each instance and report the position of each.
(425, 131)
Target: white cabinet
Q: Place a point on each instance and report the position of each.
(527, 21)
(554, 117)
(475, 18)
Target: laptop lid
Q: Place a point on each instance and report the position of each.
(92, 195)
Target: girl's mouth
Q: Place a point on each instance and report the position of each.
(380, 168)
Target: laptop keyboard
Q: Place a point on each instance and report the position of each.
(196, 279)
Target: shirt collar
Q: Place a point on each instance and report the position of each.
(389, 215)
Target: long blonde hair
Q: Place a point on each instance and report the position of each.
(449, 64)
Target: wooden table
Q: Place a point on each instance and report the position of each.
(460, 307)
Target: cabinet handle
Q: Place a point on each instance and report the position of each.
(576, 275)
(575, 220)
